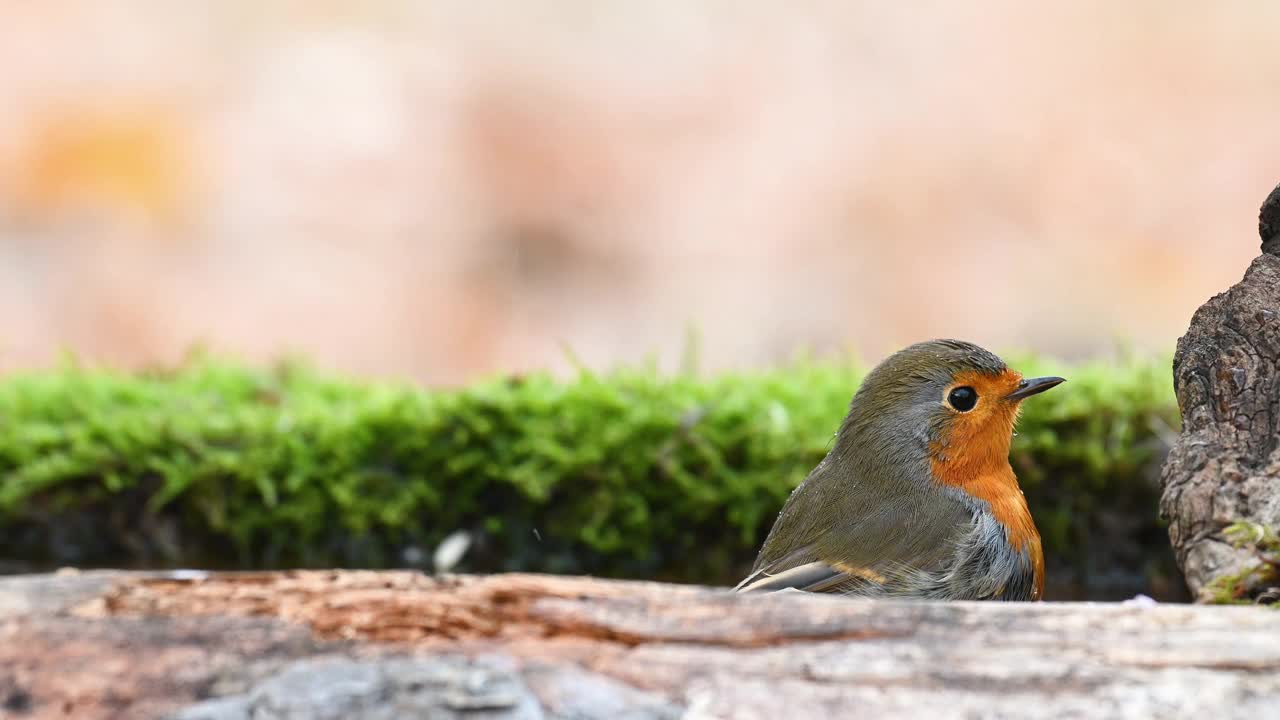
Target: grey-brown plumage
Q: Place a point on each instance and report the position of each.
(874, 519)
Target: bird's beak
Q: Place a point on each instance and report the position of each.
(1034, 386)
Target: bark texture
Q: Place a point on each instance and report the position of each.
(365, 645)
(1225, 466)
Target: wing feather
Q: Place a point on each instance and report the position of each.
(884, 539)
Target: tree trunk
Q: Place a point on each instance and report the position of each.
(1225, 467)
(366, 645)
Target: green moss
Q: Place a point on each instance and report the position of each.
(1262, 576)
(628, 473)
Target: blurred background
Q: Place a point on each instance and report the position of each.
(442, 190)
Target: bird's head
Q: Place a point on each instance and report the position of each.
(950, 399)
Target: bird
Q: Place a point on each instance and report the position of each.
(916, 498)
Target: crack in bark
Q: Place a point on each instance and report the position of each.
(407, 607)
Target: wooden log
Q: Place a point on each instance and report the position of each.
(1225, 466)
(334, 644)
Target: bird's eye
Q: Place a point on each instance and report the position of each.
(963, 398)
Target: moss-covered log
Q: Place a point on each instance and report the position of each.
(625, 474)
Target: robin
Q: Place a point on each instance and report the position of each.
(916, 497)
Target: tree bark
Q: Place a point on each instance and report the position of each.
(365, 645)
(1225, 466)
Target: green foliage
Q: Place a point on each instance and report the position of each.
(628, 473)
(1261, 578)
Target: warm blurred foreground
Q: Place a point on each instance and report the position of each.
(438, 189)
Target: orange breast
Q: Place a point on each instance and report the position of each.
(975, 458)
(1009, 506)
